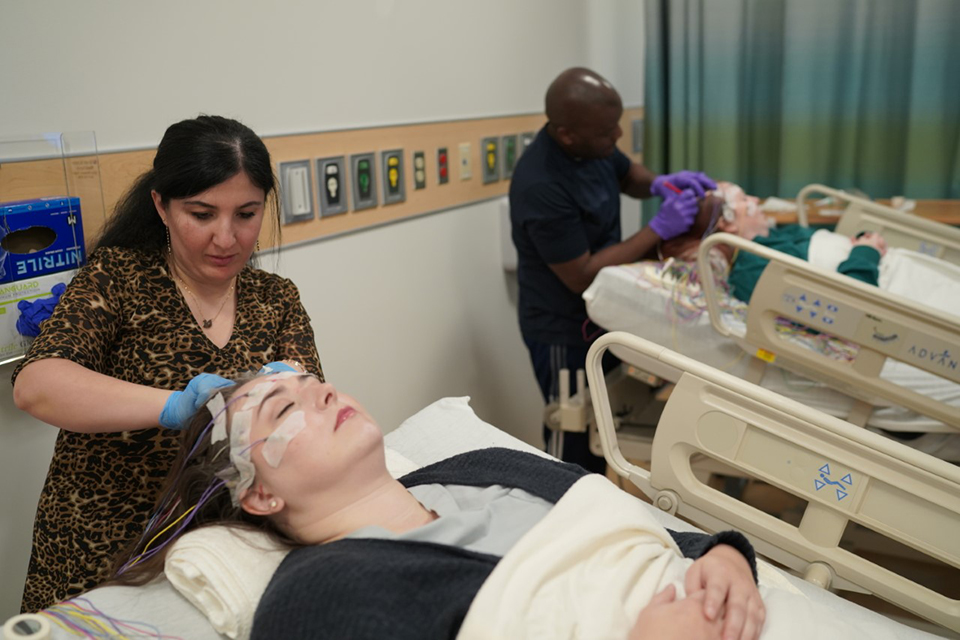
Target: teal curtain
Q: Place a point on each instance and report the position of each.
(776, 94)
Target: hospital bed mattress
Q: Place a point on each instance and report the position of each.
(443, 429)
(662, 306)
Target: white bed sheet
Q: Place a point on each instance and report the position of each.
(628, 298)
(445, 428)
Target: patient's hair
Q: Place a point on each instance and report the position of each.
(191, 476)
(684, 247)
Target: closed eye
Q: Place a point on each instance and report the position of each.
(284, 410)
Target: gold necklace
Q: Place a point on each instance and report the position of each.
(205, 322)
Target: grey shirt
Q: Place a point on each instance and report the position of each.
(482, 519)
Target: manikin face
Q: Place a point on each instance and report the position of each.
(213, 234)
(730, 210)
(337, 446)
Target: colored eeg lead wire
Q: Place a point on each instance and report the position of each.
(91, 622)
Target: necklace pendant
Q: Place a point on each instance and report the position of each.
(207, 324)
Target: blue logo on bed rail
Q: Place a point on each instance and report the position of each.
(842, 486)
(810, 307)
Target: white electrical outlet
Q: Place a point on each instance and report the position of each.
(466, 164)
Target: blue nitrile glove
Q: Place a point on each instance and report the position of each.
(33, 313)
(696, 180)
(181, 405)
(276, 367)
(676, 215)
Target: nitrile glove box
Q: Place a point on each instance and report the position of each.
(12, 344)
(40, 236)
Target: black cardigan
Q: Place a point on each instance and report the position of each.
(375, 588)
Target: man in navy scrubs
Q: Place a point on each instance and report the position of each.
(565, 214)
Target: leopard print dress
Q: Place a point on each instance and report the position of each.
(123, 316)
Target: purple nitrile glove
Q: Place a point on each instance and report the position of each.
(676, 215)
(696, 180)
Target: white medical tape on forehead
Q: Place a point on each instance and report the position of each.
(239, 477)
(240, 456)
(277, 441)
(215, 406)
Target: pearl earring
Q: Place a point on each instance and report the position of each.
(273, 504)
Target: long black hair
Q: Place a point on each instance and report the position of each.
(193, 156)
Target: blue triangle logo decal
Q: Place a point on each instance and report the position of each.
(841, 494)
(825, 469)
(819, 484)
(847, 479)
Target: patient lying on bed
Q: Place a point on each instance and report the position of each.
(494, 543)
(428, 556)
(728, 209)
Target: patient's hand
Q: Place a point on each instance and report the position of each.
(871, 239)
(667, 618)
(723, 575)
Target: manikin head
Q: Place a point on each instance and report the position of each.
(727, 209)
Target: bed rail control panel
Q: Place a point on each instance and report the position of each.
(846, 474)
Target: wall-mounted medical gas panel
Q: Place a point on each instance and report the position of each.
(490, 158)
(363, 174)
(394, 189)
(332, 185)
(508, 154)
(443, 166)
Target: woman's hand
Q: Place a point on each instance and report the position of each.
(181, 405)
(724, 578)
(667, 618)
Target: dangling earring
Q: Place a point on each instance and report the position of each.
(169, 246)
(258, 245)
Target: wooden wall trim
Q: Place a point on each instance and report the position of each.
(118, 170)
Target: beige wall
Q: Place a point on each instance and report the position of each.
(405, 313)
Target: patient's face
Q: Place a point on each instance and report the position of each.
(334, 436)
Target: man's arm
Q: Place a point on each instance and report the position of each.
(636, 181)
(577, 274)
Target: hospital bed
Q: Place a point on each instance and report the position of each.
(846, 475)
(848, 377)
(449, 427)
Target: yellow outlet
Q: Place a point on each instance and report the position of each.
(466, 165)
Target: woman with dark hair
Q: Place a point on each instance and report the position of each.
(167, 304)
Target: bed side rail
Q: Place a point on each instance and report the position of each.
(882, 324)
(898, 228)
(846, 474)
